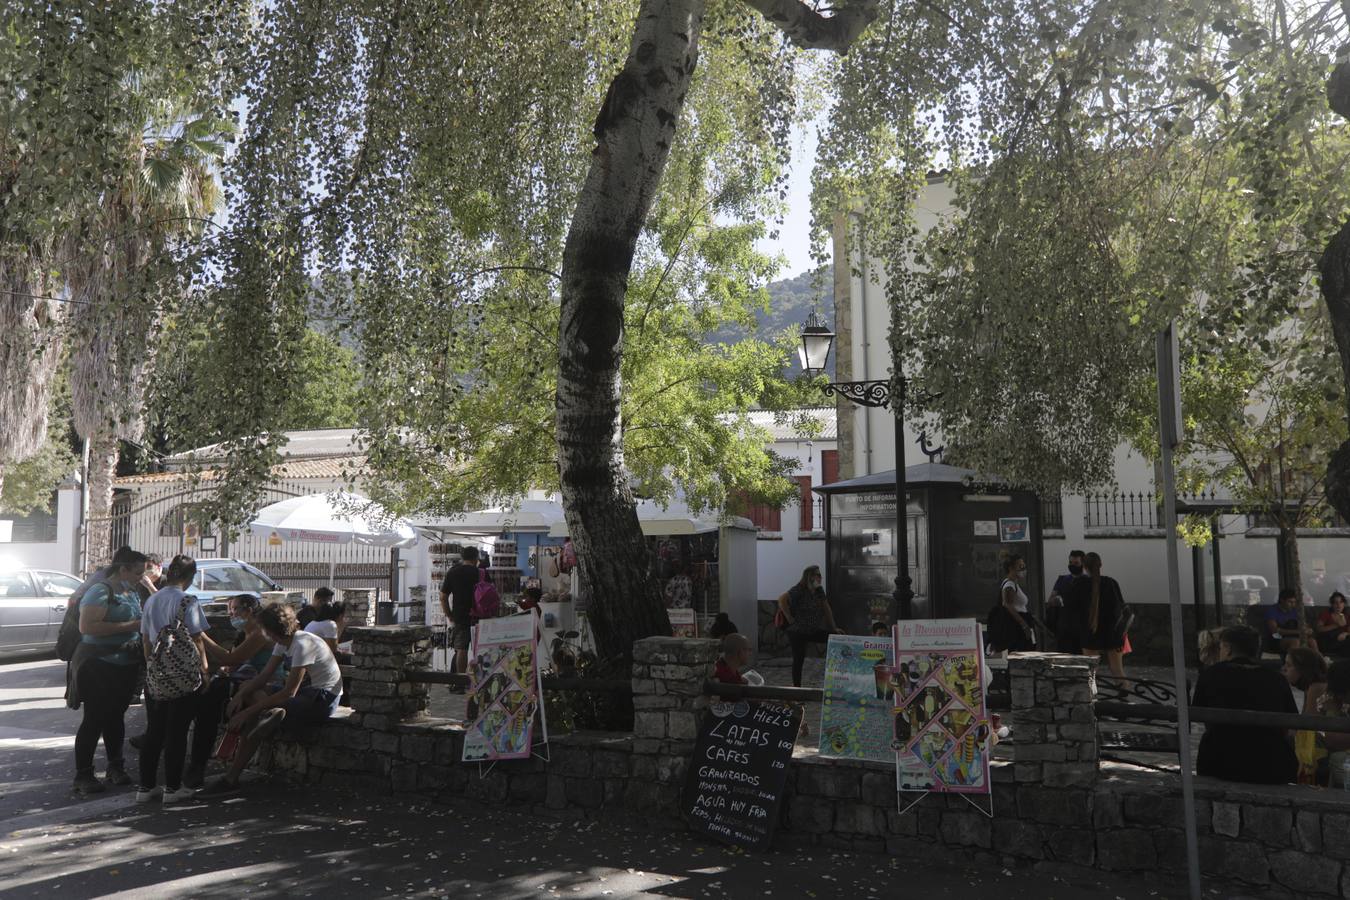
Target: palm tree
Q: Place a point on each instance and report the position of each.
(122, 278)
(30, 354)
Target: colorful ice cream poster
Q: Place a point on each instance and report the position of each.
(683, 624)
(941, 730)
(505, 688)
(856, 710)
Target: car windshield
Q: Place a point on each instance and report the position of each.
(233, 578)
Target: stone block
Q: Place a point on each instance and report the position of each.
(829, 781)
(1335, 827)
(859, 818)
(1226, 818)
(649, 724)
(1069, 774)
(810, 815)
(1018, 838)
(1126, 849)
(289, 757)
(1240, 860)
(905, 824)
(1037, 714)
(1074, 731)
(1307, 832)
(654, 701)
(1145, 809)
(1038, 752)
(681, 726)
(1305, 873)
(609, 764)
(1053, 806)
(966, 830)
(403, 777)
(1170, 846)
(1029, 772)
(1269, 825)
(556, 797)
(1073, 846)
(1073, 693)
(878, 786)
(528, 787)
(418, 747)
(1023, 693)
(641, 795)
(1108, 810)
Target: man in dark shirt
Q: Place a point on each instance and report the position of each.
(1056, 618)
(457, 604)
(1283, 623)
(1250, 753)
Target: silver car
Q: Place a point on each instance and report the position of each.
(220, 579)
(32, 605)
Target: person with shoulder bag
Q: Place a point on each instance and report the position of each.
(809, 618)
(172, 626)
(104, 670)
(1011, 627)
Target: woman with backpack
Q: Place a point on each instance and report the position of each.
(170, 616)
(1101, 619)
(104, 669)
(808, 617)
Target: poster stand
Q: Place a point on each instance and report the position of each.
(540, 737)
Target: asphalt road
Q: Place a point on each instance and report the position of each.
(278, 839)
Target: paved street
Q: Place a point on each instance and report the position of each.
(279, 839)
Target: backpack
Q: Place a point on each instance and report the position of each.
(174, 669)
(486, 601)
(69, 636)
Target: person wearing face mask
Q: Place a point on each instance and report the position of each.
(1010, 627)
(1056, 618)
(809, 617)
(1099, 616)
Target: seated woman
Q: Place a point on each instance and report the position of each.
(1333, 627)
(1306, 670)
(310, 694)
(329, 623)
(251, 648)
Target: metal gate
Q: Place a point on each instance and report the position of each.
(167, 519)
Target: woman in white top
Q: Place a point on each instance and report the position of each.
(329, 624)
(1010, 624)
(311, 692)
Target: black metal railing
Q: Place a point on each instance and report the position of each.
(1213, 715)
(1321, 517)
(1129, 509)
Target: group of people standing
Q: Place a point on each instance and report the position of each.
(1086, 613)
(128, 614)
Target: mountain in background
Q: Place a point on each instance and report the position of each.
(790, 302)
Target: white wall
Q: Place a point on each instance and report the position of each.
(780, 558)
(61, 554)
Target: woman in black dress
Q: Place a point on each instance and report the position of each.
(1097, 609)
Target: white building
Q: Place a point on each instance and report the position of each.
(1125, 529)
(45, 539)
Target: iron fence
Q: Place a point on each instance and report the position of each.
(1052, 513)
(1129, 509)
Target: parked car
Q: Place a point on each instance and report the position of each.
(1243, 590)
(220, 579)
(32, 605)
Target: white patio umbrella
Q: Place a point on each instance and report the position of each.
(335, 519)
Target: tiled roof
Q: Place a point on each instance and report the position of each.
(327, 467)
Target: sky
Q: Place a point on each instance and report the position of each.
(794, 235)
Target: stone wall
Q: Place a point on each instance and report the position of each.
(1055, 809)
(360, 611)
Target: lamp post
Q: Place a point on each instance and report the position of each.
(814, 351)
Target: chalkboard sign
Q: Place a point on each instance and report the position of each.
(738, 771)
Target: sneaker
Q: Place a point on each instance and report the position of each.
(87, 783)
(178, 796)
(269, 720)
(117, 775)
(194, 776)
(221, 787)
(146, 794)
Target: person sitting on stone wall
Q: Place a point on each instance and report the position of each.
(310, 694)
(1283, 625)
(1249, 753)
(735, 656)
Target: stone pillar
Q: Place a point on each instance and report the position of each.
(1054, 750)
(417, 610)
(360, 611)
(668, 698)
(381, 658)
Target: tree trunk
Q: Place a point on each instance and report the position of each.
(102, 471)
(634, 132)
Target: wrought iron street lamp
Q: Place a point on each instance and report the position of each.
(815, 350)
